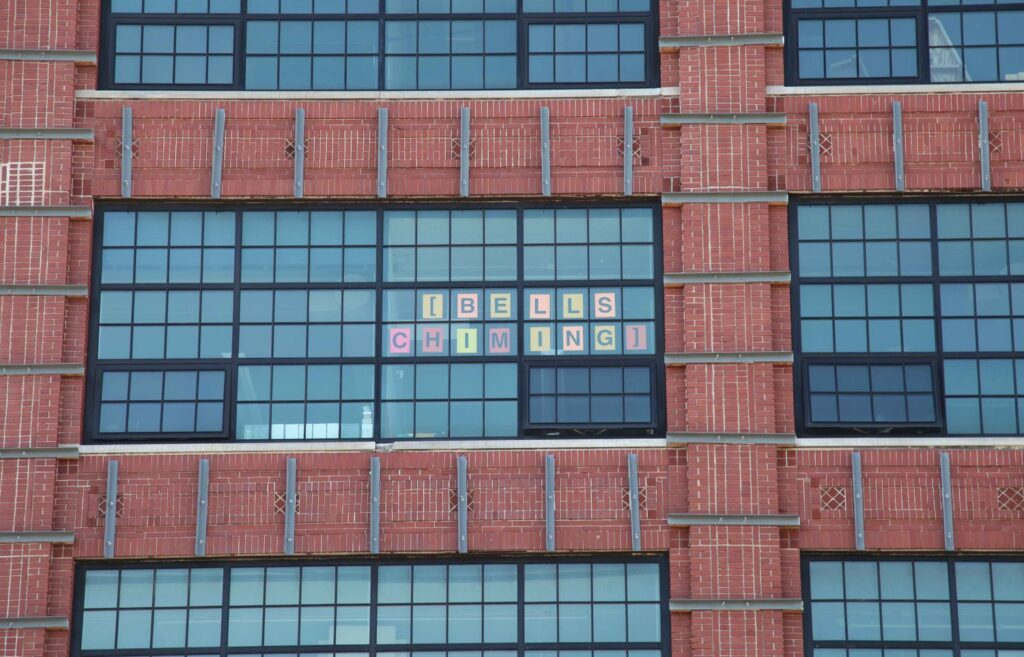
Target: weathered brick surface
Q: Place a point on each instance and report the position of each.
(158, 492)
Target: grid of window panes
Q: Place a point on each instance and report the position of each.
(363, 324)
(921, 607)
(331, 45)
(617, 608)
(925, 300)
(894, 41)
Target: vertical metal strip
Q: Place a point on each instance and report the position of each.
(374, 504)
(289, 510)
(300, 151)
(545, 151)
(985, 155)
(897, 145)
(549, 502)
(634, 502)
(463, 511)
(464, 152)
(814, 143)
(382, 152)
(627, 153)
(202, 507)
(947, 501)
(858, 502)
(218, 154)
(126, 152)
(110, 512)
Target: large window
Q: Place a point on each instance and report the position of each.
(496, 608)
(913, 607)
(904, 41)
(378, 44)
(332, 323)
(909, 317)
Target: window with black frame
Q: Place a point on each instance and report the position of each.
(909, 317)
(497, 608)
(332, 45)
(904, 41)
(363, 324)
(913, 607)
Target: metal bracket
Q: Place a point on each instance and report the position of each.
(679, 198)
(382, 152)
(737, 118)
(65, 538)
(545, 151)
(464, 151)
(705, 40)
(57, 452)
(289, 508)
(44, 290)
(35, 623)
(947, 501)
(679, 279)
(634, 502)
(814, 144)
(374, 504)
(751, 604)
(218, 154)
(984, 152)
(685, 438)
(300, 151)
(731, 520)
(126, 152)
(897, 145)
(733, 357)
(69, 211)
(202, 507)
(70, 134)
(463, 516)
(627, 152)
(858, 502)
(43, 369)
(110, 517)
(549, 502)
(48, 55)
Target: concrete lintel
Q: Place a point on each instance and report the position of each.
(35, 623)
(748, 604)
(734, 357)
(65, 538)
(697, 40)
(47, 55)
(769, 118)
(678, 279)
(732, 519)
(68, 453)
(73, 134)
(44, 290)
(676, 439)
(679, 198)
(58, 369)
(73, 211)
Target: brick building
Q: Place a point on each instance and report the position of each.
(511, 328)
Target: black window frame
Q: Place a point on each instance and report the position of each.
(654, 360)
(801, 361)
(954, 645)
(523, 20)
(792, 16)
(372, 648)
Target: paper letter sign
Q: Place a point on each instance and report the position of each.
(572, 306)
(604, 337)
(604, 305)
(540, 306)
(499, 341)
(465, 340)
(572, 338)
(433, 306)
(540, 339)
(433, 339)
(636, 337)
(399, 340)
(501, 305)
(467, 305)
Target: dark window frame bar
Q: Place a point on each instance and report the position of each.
(801, 360)
(654, 360)
(649, 19)
(372, 648)
(954, 645)
(792, 16)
